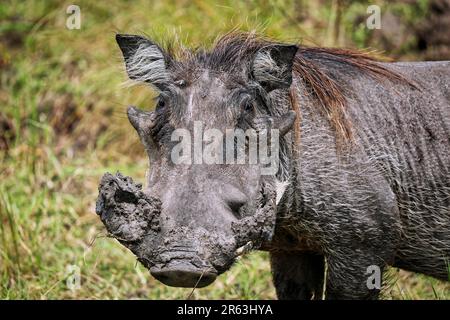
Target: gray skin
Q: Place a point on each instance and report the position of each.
(382, 201)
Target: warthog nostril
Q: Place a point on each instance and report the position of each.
(186, 276)
(235, 206)
(235, 200)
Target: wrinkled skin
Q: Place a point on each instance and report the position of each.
(383, 200)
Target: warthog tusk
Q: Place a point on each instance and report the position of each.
(244, 249)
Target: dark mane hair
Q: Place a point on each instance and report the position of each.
(231, 50)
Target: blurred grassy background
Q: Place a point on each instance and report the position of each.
(63, 124)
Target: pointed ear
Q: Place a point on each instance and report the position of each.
(144, 60)
(272, 66)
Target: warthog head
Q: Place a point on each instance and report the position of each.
(203, 207)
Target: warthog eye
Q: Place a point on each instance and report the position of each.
(181, 83)
(248, 106)
(160, 104)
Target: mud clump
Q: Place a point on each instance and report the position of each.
(261, 225)
(126, 211)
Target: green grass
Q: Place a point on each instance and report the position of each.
(62, 115)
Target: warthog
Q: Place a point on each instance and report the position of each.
(362, 181)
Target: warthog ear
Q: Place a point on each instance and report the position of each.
(272, 66)
(144, 60)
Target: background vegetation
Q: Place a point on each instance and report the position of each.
(63, 124)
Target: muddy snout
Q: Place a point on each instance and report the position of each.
(189, 257)
(184, 273)
(176, 256)
(179, 252)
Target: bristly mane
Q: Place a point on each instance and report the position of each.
(235, 48)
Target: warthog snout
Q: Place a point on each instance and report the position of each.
(178, 251)
(183, 273)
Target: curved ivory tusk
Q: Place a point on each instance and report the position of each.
(244, 249)
(285, 122)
